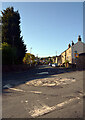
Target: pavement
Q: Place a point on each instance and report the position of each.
(44, 92)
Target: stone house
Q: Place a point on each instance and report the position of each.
(74, 49)
(58, 60)
(80, 62)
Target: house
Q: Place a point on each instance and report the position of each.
(54, 59)
(73, 51)
(58, 60)
(80, 62)
(66, 55)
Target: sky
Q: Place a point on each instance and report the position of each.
(48, 27)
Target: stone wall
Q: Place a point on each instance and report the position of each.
(80, 62)
(16, 68)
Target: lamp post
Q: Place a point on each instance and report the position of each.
(56, 53)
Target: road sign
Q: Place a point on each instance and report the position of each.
(76, 55)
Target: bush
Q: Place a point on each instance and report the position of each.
(66, 61)
(8, 54)
(29, 59)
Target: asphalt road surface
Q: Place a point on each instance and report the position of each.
(43, 92)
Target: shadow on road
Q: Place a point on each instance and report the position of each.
(15, 79)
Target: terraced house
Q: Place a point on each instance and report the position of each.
(73, 51)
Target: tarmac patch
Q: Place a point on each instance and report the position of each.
(44, 109)
(51, 82)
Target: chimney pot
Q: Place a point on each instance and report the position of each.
(79, 38)
(72, 43)
(69, 46)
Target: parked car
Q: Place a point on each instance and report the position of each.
(54, 65)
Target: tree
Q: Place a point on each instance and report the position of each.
(8, 54)
(66, 61)
(28, 58)
(11, 32)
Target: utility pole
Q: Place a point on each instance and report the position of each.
(56, 53)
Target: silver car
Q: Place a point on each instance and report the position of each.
(54, 65)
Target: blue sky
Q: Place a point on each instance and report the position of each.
(48, 27)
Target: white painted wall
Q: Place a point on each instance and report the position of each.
(79, 47)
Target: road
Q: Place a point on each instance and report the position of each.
(43, 92)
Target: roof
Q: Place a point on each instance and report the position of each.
(72, 46)
(65, 50)
(82, 54)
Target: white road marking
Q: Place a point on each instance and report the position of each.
(37, 92)
(46, 109)
(17, 89)
(10, 87)
(42, 73)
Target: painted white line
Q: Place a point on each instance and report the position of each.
(46, 109)
(42, 73)
(17, 89)
(37, 92)
(11, 88)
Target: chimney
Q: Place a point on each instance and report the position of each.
(72, 43)
(69, 46)
(79, 38)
